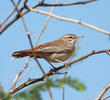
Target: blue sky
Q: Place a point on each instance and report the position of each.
(94, 71)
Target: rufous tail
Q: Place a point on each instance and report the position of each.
(23, 53)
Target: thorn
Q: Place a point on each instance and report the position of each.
(29, 79)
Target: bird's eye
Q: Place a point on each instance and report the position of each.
(70, 37)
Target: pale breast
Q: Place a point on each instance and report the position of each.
(57, 57)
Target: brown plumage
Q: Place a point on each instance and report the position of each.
(55, 51)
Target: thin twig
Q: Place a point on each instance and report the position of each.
(103, 92)
(40, 67)
(70, 20)
(28, 35)
(16, 18)
(29, 38)
(26, 74)
(18, 75)
(86, 56)
(48, 18)
(108, 52)
(27, 61)
(106, 97)
(12, 12)
(52, 71)
(68, 4)
(50, 94)
(63, 90)
(12, 97)
(27, 11)
(21, 71)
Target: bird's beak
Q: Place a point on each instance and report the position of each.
(79, 37)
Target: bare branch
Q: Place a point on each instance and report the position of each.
(15, 19)
(10, 13)
(108, 52)
(18, 75)
(70, 20)
(29, 38)
(103, 92)
(68, 4)
(106, 97)
(27, 61)
(41, 3)
(48, 18)
(21, 71)
(53, 71)
(50, 93)
(86, 56)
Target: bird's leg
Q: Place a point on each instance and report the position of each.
(66, 65)
(51, 65)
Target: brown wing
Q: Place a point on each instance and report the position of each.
(42, 50)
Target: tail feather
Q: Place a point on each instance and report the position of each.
(20, 54)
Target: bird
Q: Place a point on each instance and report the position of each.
(56, 51)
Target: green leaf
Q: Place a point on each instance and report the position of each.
(3, 94)
(34, 93)
(77, 85)
(71, 82)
